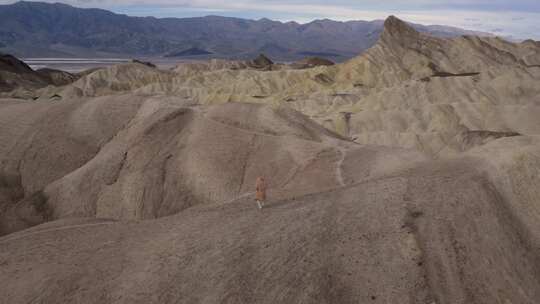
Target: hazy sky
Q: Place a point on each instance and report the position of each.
(518, 18)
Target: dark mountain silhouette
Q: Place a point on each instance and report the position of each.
(261, 62)
(15, 74)
(30, 29)
(11, 64)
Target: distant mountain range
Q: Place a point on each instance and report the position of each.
(36, 29)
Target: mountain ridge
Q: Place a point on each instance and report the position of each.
(64, 30)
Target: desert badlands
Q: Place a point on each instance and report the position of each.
(409, 174)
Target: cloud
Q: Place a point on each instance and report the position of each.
(519, 18)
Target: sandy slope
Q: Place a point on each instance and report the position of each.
(135, 185)
(408, 237)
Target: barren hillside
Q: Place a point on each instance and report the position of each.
(409, 174)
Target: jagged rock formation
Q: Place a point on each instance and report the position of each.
(146, 63)
(57, 77)
(136, 186)
(261, 62)
(409, 90)
(17, 79)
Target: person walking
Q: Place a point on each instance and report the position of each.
(260, 194)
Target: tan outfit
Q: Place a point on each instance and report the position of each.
(260, 195)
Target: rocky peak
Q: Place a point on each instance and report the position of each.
(262, 62)
(395, 28)
(14, 65)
